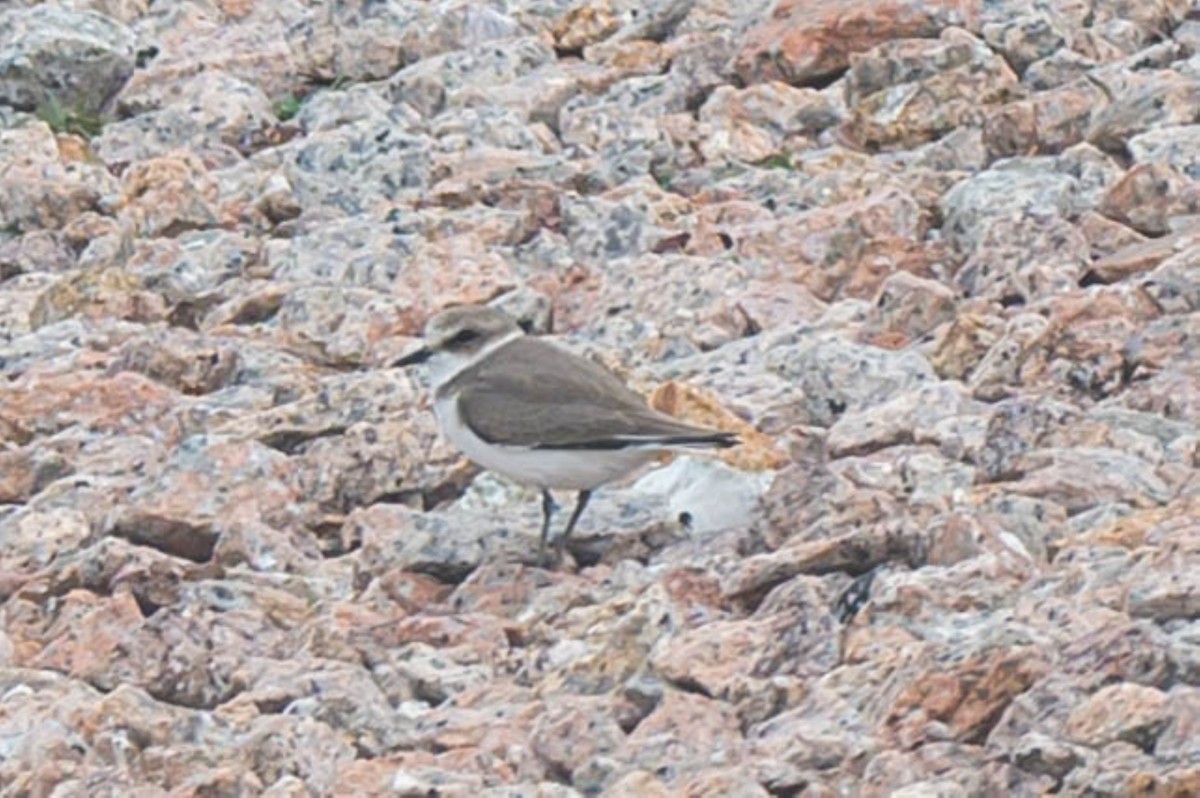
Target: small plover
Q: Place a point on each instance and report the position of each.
(533, 412)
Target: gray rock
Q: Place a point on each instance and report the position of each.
(465, 76)
(935, 413)
(1151, 101)
(1021, 259)
(1176, 146)
(1078, 478)
(835, 376)
(353, 166)
(191, 270)
(1025, 39)
(179, 512)
(371, 42)
(1057, 69)
(1003, 191)
(214, 112)
(54, 56)
(342, 695)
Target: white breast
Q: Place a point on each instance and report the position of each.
(567, 469)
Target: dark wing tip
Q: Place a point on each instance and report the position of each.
(725, 440)
(718, 440)
(413, 358)
(721, 440)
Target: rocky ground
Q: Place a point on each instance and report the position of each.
(937, 260)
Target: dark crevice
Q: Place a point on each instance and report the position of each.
(448, 491)
(557, 772)
(692, 686)
(258, 310)
(406, 497)
(272, 706)
(985, 726)
(175, 699)
(330, 542)
(695, 100)
(146, 605)
(448, 573)
(820, 82)
(186, 315)
(195, 542)
(290, 441)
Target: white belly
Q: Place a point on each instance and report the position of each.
(567, 469)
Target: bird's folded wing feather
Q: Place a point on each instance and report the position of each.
(532, 393)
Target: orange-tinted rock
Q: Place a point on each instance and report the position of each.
(166, 196)
(811, 40)
(906, 92)
(1149, 196)
(586, 23)
(967, 698)
(1129, 712)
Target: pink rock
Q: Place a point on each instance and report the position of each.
(36, 251)
(168, 195)
(1048, 121)
(806, 41)
(906, 92)
(192, 40)
(965, 700)
(570, 734)
(184, 361)
(35, 405)
(181, 512)
(494, 717)
(727, 659)
(952, 312)
(1146, 255)
(762, 120)
(1144, 100)
(735, 783)
(1130, 712)
(1078, 478)
(99, 629)
(638, 784)
(1106, 236)
(1149, 195)
(818, 249)
(683, 732)
(912, 305)
(38, 189)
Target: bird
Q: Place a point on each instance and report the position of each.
(526, 408)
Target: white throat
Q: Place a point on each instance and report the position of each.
(445, 366)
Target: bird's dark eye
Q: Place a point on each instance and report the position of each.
(463, 337)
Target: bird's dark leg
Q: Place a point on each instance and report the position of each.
(547, 512)
(561, 543)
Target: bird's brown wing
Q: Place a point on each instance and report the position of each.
(532, 393)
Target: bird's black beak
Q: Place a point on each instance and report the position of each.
(412, 358)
